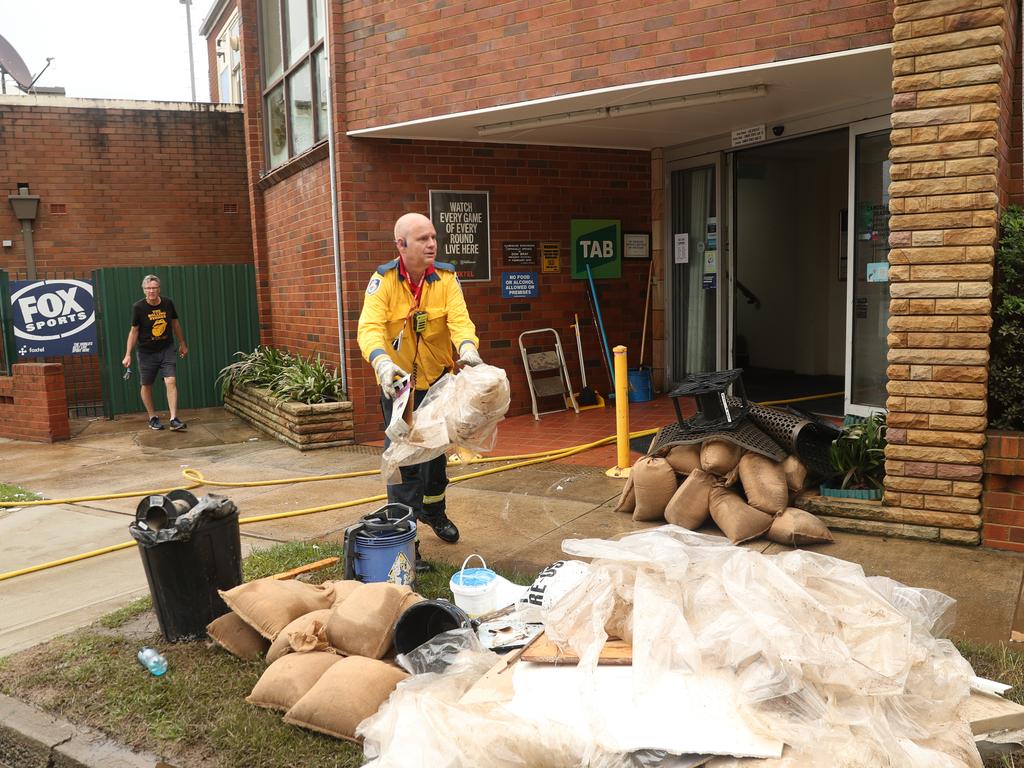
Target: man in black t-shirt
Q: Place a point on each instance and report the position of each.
(153, 320)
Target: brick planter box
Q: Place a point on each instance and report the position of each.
(306, 427)
(1003, 497)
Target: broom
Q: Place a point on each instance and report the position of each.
(586, 395)
(647, 304)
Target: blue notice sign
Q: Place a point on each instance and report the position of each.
(519, 285)
(53, 317)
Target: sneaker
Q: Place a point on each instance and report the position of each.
(154, 423)
(177, 425)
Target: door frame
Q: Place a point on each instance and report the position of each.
(856, 129)
(723, 303)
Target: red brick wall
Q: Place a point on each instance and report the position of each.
(33, 405)
(1009, 112)
(1003, 498)
(534, 193)
(126, 187)
(407, 62)
(211, 51)
(1014, 102)
(300, 314)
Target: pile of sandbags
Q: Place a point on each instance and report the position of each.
(326, 647)
(746, 494)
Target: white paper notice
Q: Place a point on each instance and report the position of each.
(682, 249)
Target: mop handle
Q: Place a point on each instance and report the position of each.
(579, 348)
(600, 322)
(647, 304)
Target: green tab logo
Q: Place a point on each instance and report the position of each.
(596, 243)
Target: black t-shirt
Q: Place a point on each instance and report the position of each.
(154, 322)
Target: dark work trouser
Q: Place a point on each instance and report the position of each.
(423, 485)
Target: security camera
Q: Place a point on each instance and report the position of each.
(778, 130)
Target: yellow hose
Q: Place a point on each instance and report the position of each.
(196, 475)
(197, 478)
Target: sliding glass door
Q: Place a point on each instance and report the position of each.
(693, 252)
(868, 268)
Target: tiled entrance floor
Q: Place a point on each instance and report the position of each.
(565, 429)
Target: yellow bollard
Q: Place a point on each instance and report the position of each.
(622, 463)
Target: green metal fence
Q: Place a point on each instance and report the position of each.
(217, 309)
(7, 355)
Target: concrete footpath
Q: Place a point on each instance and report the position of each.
(516, 520)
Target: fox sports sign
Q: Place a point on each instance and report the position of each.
(53, 317)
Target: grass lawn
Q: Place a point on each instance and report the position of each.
(196, 714)
(10, 492)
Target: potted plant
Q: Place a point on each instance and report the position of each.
(858, 458)
(300, 402)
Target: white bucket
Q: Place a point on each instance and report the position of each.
(475, 589)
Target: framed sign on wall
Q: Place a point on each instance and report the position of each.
(462, 221)
(636, 245)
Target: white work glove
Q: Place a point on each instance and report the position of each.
(468, 355)
(387, 372)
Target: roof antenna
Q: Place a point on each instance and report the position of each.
(13, 66)
(48, 60)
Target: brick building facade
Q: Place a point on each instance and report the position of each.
(121, 183)
(661, 117)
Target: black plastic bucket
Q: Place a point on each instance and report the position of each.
(425, 621)
(184, 577)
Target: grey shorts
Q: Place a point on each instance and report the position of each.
(163, 362)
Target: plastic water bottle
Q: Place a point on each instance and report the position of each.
(151, 659)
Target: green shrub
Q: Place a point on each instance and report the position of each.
(1006, 363)
(858, 455)
(285, 376)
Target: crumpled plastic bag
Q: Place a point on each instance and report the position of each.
(209, 507)
(843, 668)
(459, 411)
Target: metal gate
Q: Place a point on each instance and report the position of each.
(216, 306)
(81, 372)
(6, 327)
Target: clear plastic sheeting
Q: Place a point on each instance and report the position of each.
(843, 668)
(425, 723)
(440, 652)
(459, 411)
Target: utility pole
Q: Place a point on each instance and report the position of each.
(191, 59)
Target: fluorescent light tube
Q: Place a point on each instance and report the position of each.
(624, 110)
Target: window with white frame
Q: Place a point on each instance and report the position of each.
(294, 77)
(229, 62)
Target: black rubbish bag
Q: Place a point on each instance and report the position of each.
(188, 557)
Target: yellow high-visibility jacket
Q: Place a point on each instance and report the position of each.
(383, 322)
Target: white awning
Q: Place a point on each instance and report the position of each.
(662, 113)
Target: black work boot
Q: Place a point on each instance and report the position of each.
(422, 566)
(443, 527)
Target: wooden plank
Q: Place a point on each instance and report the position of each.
(544, 651)
(987, 713)
(307, 568)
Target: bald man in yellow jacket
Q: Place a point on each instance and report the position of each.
(414, 315)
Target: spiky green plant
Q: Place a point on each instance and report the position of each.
(858, 455)
(283, 375)
(1006, 366)
(307, 381)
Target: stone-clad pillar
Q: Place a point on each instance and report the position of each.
(950, 60)
(657, 318)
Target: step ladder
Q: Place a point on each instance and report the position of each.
(546, 372)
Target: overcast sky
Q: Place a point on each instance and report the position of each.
(113, 49)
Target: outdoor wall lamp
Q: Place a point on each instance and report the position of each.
(26, 207)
